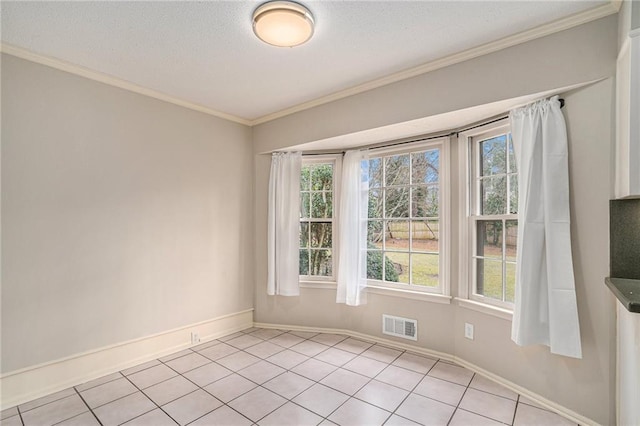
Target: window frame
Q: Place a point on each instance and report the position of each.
(336, 160)
(469, 204)
(434, 294)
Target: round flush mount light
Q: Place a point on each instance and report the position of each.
(283, 23)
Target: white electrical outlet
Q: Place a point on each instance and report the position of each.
(468, 330)
(195, 337)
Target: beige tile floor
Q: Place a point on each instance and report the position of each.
(277, 377)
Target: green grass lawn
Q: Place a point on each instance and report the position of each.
(493, 280)
(425, 268)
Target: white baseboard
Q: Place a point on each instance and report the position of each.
(547, 404)
(542, 401)
(43, 379)
(362, 336)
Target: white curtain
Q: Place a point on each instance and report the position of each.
(352, 229)
(545, 309)
(283, 224)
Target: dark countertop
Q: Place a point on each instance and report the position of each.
(627, 291)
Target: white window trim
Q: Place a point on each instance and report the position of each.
(316, 281)
(329, 283)
(485, 308)
(444, 289)
(409, 293)
(466, 280)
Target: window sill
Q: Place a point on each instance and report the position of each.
(329, 285)
(408, 294)
(485, 309)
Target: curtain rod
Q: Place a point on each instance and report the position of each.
(494, 121)
(453, 133)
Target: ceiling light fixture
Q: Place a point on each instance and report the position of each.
(283, 23)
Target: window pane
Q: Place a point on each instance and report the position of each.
(321, 177)
(305, 179)
(304, 262)
(512, 157)
(424, 269)
(304, 234)
(400, 263)
(375, 173)
(321, 205)
(397, 202)
(489, 278)
(320, 263)
(511, 282)
(374, 234)
(425, 235)
(511, 237)
(304, 205)
(316, 202)
(425, 167)
(321, 234)
(513, 194)
(375, 203)
(396, 170)
(489, 238)
(375, 264)
(493, 156)
(397, 235)
(494, 195)
(425, 201)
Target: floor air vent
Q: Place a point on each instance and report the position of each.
(400, 327)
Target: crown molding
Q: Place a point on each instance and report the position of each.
(613, 6)
(543, 30)
(113, 81)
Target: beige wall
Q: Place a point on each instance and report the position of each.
(573, 56)
(577, 55)
(122, 216)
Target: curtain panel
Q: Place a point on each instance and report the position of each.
(352, 229)
(283, 224)
(545, 309)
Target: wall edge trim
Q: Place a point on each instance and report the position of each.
(544, 402)
(549, 405)
(613, 6)
(110, 80)
(485, 49)
(36, 381)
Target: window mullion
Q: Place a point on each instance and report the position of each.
(383, 215)
(504, 260)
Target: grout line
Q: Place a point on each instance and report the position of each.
(411, 392)
(461, 398)
(42, 405)
(236, 372)
(315, 382)
(178, 357)
(138, 371)
(100, 384)
(152, 401)
(284, 371)
(278, 407)
(513, 420)
(473, 412)
(358, 390)
(87, 405)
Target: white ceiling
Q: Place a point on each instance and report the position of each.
(205, 53)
